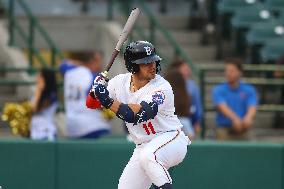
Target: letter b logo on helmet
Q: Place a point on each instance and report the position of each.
(148, 50)
(140, 52)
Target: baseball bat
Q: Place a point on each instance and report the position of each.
(123, 36)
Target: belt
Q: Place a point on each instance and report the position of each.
(159, 133)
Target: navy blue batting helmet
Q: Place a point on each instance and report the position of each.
(140, 52)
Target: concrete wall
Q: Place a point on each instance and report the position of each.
(13, 57)
(73, 33)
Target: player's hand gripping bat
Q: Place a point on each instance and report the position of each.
(122, 38)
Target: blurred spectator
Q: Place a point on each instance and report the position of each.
(79, 73)
(236, 104)
(182, 100)
(44, 105)
(192, 90)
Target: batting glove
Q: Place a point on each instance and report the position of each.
(101, 79)
(102, 94)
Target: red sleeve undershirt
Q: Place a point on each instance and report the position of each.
(92, 103)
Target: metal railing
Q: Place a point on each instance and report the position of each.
(29, 37)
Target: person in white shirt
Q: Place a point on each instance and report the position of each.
(82, 122)
(145, 101)
(44, 105)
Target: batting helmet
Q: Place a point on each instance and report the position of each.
(140, 52)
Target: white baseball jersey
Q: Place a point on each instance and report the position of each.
(80, 120)
(158, 90)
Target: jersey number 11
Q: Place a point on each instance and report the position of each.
(149, 128)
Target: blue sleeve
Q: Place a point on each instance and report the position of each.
(65, 65)
(252, 97)
(196, 101)
(217, 96)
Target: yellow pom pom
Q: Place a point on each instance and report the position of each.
(4, 117)
(19, 117)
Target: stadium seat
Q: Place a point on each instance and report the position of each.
(260, 33)
(230, 6)
(272, 50)
(276, 6)
(243, 20)
(226, 8)
(246, 16)
(281, 16)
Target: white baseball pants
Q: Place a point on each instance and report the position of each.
(150, 161)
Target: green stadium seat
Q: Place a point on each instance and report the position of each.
(272, 50)
(276, 6)
(247, 16)
(261, 33)
(225, 11)
(227, 8)
(281, 17)
(243, 20)
(230, 6)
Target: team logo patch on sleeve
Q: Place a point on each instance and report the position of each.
(158, 97)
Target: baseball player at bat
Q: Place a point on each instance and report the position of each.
(145, 101)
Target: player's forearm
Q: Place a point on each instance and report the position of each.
(94, 103)
(226, 111)
(130, 113)
(134, 107)
(115, 106)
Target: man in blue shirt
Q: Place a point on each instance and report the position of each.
(236, 104)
